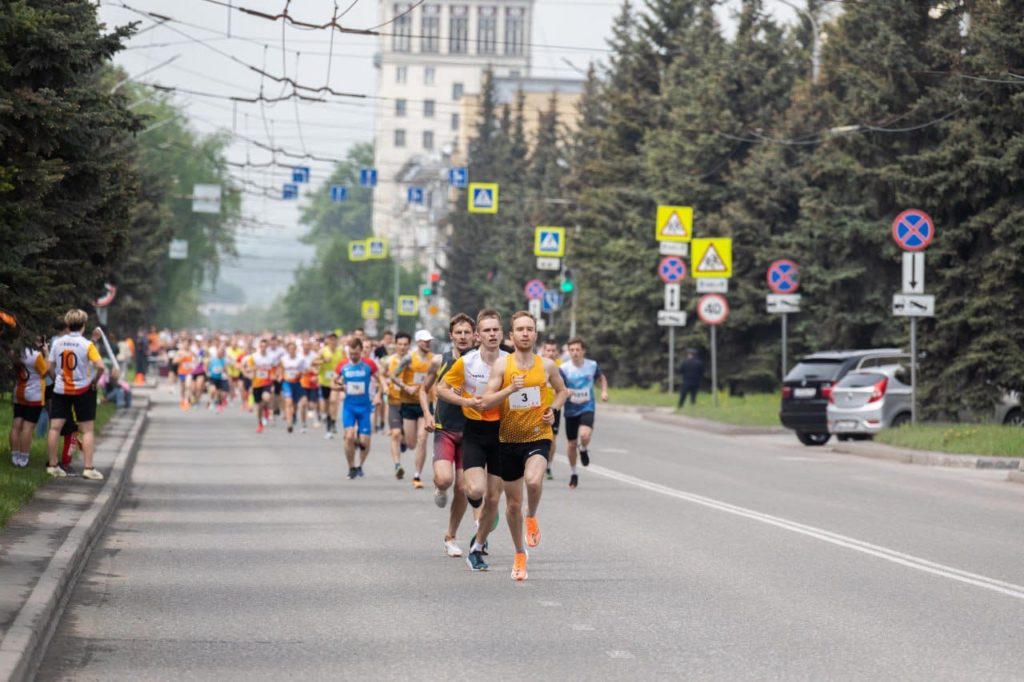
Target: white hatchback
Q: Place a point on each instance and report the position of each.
(868, 400)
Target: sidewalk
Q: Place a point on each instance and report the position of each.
(46, 544)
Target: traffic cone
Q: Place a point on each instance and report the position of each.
(140, 379)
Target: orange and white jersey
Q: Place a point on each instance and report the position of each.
(263, 366)
(72, 358)
(31, 386)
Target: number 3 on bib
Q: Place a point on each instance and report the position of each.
(524, 398)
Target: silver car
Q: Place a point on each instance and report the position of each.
(866, 401)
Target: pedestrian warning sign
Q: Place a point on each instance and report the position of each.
(674, 224)
(712, 257)
(370, 310)
(549, 242)
(483, 197)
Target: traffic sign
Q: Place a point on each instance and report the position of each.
(674, 249)
(483, 197)
(408, 305)
(913, 230)
(549, 241)
(370, 327)
(712, 285)
(674, 224)
(672, 269)
(458, 177)
(534, 307)
(671, 318)
(415, 195)
(368, 177)
(911, 305)
(545, 263)
(551, 301)
(713, 309)
(783, 303)
(178, 249)
(534, 290)
(289, 191)
(357, 250)
(913, 272)
(206, 198)
(783, 277)
(339, 193)
(300, 174)
(673, 297)
(371, 310)
(376, 248)
(712, 257)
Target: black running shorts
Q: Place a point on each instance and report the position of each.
(573, 424)
(84, 405)
(412, 411)
(480, 446)
(29, 413)
(513, 457)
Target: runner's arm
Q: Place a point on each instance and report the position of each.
(604, 386)
(428, 384)
(557, 383)
(494, 394)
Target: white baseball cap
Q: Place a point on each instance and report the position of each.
(424, 335)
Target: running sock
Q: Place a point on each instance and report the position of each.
(418, 472)
(475, 504)
(477, 547)
(573, 468)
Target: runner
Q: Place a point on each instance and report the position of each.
(276, 351)
(263, 367)
(394, 391)
(292, 367)
(80, 367)
(579, 375)
(308, 406)
(549, 350)
(186, 363)
(414, 369)
(447, 426)
(463, 385)
(380, 354)
(359, 395)
(29, 395)
(216, 371)
(198, 370)
(519, 384)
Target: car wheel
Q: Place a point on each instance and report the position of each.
(812, 438)
(1014, 418)
(901, 419)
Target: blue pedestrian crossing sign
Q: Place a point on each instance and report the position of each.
(552, 301)
(300, 174)
(339, 193)
(289, 191)
(483, 197)
(458, 177)
(376, 248)
(549, 241)
(367, 177)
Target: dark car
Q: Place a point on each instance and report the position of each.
(808, 386)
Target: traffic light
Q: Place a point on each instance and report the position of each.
(435, 277)
(427, 290)
(567, 283)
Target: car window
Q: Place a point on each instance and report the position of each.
(869, 362)
(817, 370)
(860, 380)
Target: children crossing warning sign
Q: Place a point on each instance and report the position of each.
(712, 257)
(674, 224)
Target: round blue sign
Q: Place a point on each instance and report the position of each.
(783, 277)
(913, 230)
(672, 269)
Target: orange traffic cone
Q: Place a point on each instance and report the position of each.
(140, 379)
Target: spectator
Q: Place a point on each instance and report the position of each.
(116, 390)
(693, 373)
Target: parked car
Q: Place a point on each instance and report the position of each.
(1009, 410)
(807, 387)
(865, 401)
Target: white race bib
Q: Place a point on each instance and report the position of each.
(262, 373)
(329, 374)
(355, 388)
(579, 396)
(419, 377)
(525, 398)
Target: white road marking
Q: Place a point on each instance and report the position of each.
(908, 560)
(582, 627)
(618, 653)
(550, 603)
(798, 458)
(613, 451)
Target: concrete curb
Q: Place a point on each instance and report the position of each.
(942, 459)
(1016, 476)
(24, 644)
(711, 426)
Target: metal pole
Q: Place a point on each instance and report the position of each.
(671, 359)
(572, 315)
(784, 318)
(913, 370)
(394, 316)
(714, 368)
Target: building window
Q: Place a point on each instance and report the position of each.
(487, 31)
(428, 108)
(400, 107)
(515, 30)
(457, 89)
(455, 122)
(428, 139)
(430, 41)
(399, 138)
(429, 75)
(402, 38)
(401, 74)
(458, 29)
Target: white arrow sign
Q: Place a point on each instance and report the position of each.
(783, 303)
(534, 307)
(672, 297)
(913, 305)
(913, 272)
(671, 318)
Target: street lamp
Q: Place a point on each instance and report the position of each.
(816, 45)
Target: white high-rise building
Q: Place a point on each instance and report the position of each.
(430, 56)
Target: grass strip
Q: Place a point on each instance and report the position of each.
(994, 440)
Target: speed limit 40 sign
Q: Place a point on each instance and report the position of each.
(713, 309)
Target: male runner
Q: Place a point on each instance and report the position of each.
(380, 354)
(394, 390)
(549, 350)
(330, 356)
(310, 384)
(413, 371)
(186, 362)
(580, 374)
(463, 385)
(359, 396)
(447, 424)
(276, 350)
(263, 366)
(519, 385)
(292, 367)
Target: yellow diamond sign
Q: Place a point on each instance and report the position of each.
(711, 257)
(674, 224)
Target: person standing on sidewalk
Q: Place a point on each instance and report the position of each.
(693, 373)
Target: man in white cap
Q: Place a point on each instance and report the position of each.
(411, 373)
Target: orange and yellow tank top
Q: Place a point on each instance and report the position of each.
(415, 374)
(522, 413)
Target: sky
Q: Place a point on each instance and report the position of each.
(206, 47)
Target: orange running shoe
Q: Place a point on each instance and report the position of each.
(532, 531)
(519, 566)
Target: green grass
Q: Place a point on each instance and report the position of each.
(964, 439)
(753, 409)
(18, 485)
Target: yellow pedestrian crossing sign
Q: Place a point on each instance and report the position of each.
(712, 257)
(357, 250)
(549, 241)
(371, 310)
(483, 197)
(674, 224)
(408, 305)
(376, 248)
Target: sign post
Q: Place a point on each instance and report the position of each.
(671, 270)
(713, 310)
(784, 280)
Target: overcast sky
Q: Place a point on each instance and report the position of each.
(567, 34)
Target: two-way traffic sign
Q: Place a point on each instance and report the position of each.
(673, 297)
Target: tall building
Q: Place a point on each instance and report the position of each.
(432, 55)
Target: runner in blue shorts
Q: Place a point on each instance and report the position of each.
(359, 396)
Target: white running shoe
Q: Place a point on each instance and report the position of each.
(440, 498)
(56, 472)
(303, 430)
(452, 549)
(329, 435)
(92, 475)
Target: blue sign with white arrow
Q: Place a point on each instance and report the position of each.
(339, 193)
(415, 195)
(458, 177)
(289, 191)
(300, 174)
(552, 301)
(368, 177)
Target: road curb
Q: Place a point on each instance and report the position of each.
(1016, 476)
(711, 426)
(24, 644)
(926, 458)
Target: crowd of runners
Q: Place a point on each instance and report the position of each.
(488, 408)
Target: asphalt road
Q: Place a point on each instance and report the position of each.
(681, 555)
